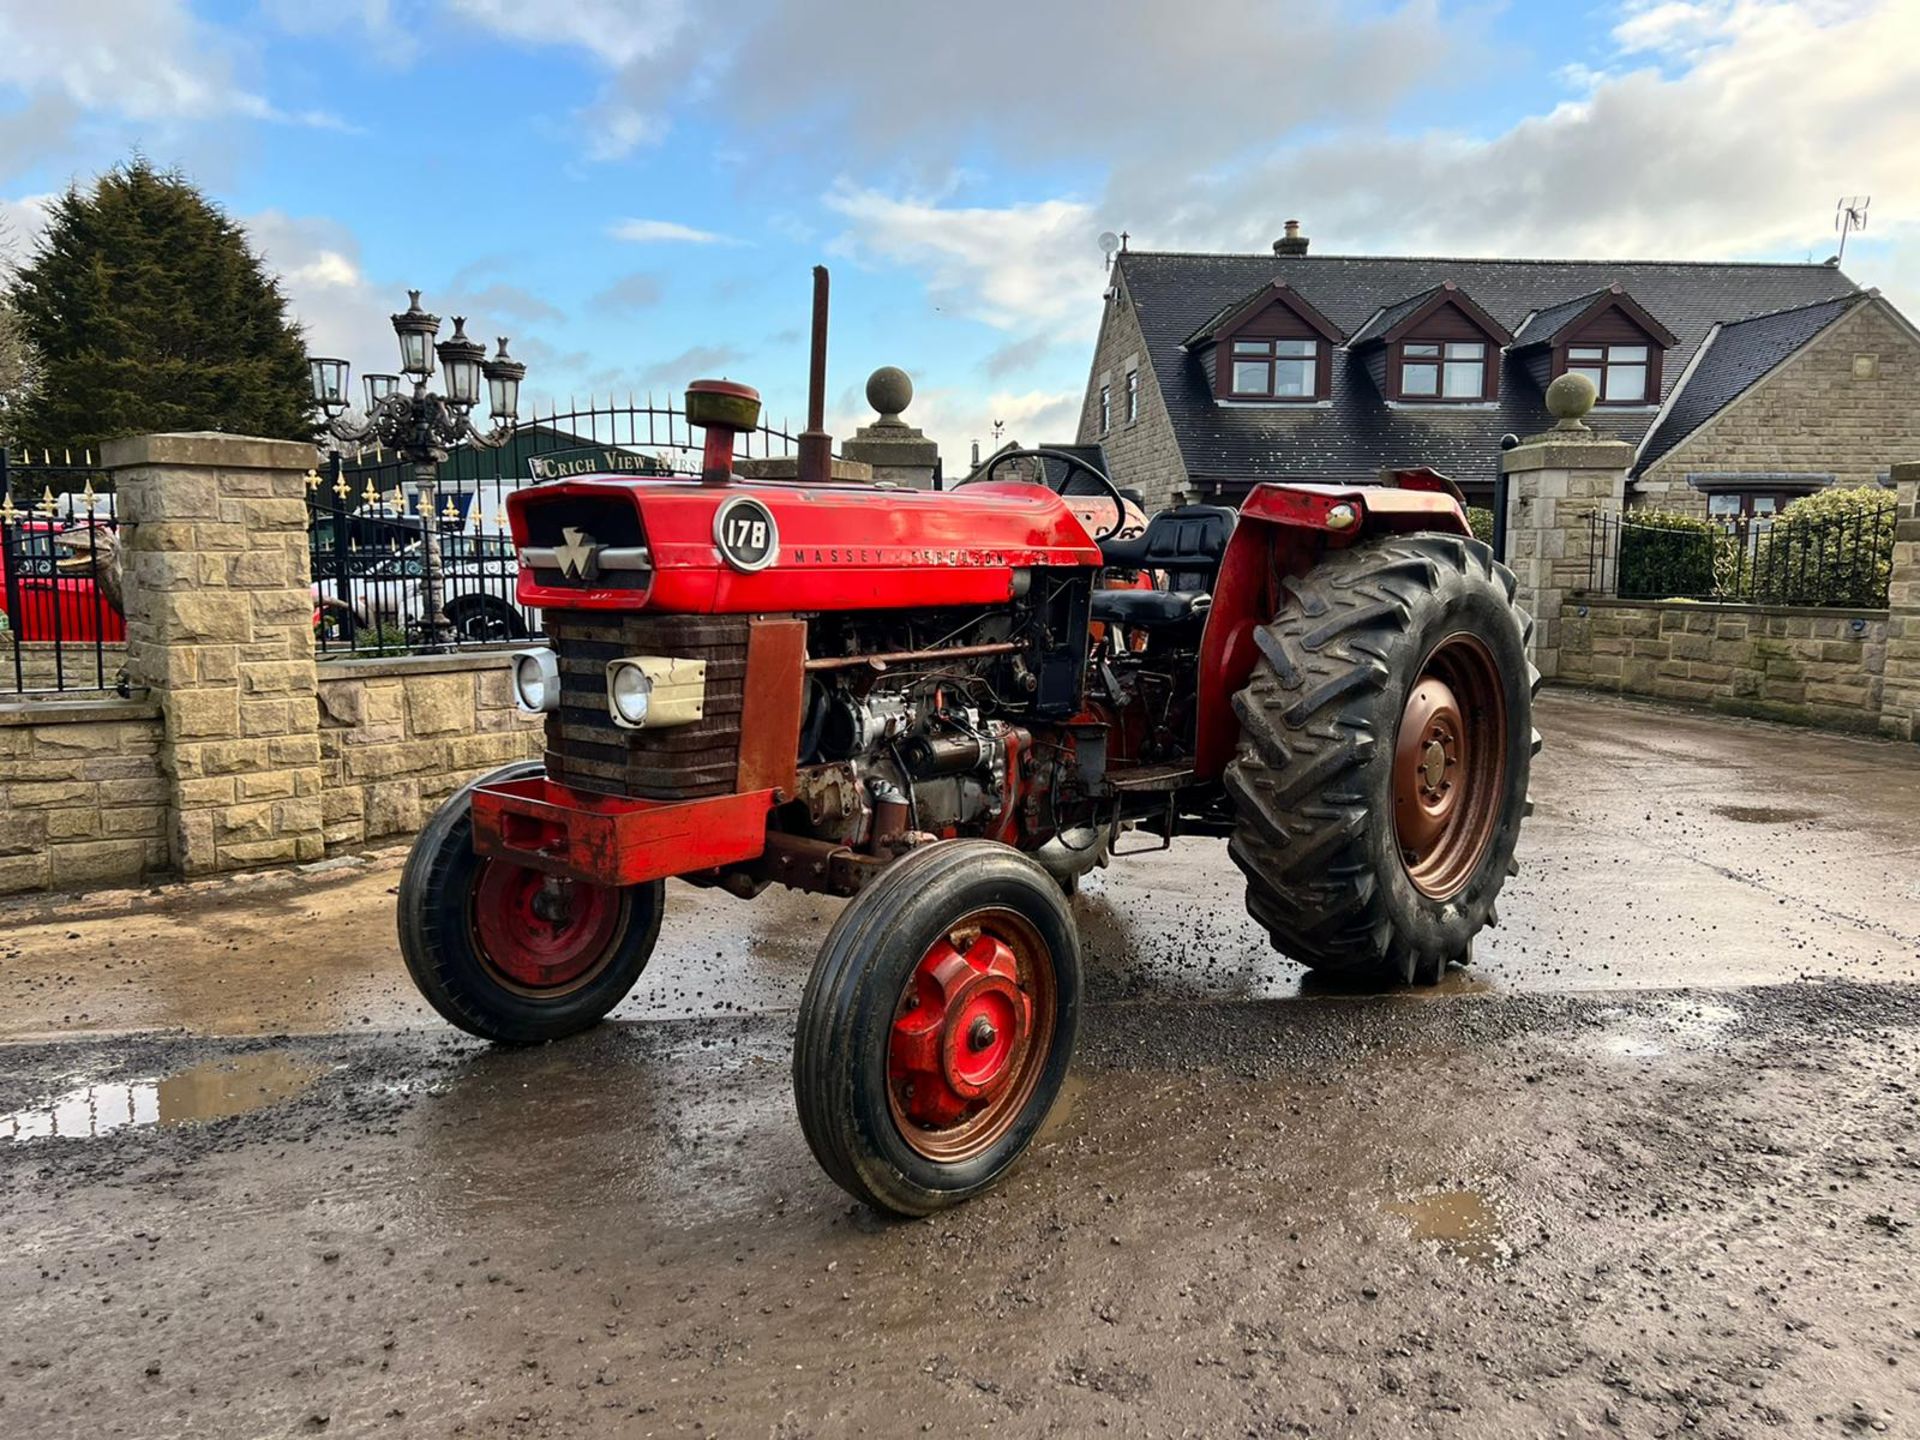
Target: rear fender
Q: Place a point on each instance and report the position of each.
(1283, 531)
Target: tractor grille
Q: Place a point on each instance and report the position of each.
(587, 751)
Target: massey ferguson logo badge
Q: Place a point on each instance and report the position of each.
(743, 528)
(580, 557)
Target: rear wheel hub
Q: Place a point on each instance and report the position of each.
(1449, 766)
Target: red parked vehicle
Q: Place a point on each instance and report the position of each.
(59, 581)
(928, 702)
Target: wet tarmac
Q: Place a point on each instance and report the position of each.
(1648, 1168)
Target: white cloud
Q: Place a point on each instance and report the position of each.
(21, 222)
(318, 262)
(143, 60)
(1012, 266)
(1775, 109)
(616, 32)
(657, 232)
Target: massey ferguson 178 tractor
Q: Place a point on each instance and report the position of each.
(930, 703)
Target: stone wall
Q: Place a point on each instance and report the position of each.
(76, 665)
(398, 736)
(82, 793)
(1842, 407)
(1811, 667)
(1145, 454)
(1901, 702)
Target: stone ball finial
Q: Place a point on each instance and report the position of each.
(889, 391)
(1569, 397)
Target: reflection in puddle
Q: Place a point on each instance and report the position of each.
(1665, 1026)
(211, 1090)
(1459, 1221)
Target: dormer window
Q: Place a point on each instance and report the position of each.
(1607, 336)
(1438, 347)
(1275, 369)
(1273, 347)
(1618, 372)
(1443, 370)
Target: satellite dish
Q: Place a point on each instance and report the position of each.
(1109, 242)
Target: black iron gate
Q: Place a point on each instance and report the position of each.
(381, 541)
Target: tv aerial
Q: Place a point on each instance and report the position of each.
(1849, 215)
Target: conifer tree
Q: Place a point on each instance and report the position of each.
(144, 310)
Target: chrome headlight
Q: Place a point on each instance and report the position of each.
(651, 692)
(536, 680)
(629, 690)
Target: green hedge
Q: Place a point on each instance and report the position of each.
(1664, 555)
(1481, 521)
(1834, 547)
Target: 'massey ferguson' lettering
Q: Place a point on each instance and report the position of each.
(807, 555)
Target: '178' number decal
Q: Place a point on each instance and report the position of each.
(744, 530)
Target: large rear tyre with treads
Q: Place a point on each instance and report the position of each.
(937, 1026)
(1386, 740)
(504, 952)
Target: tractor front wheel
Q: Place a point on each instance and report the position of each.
(937, 1026)
(511, 954)
(1385, 742)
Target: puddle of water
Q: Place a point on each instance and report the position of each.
(1764, 815)
(1461, 1222)
(211, 1090)
(1666, 1026)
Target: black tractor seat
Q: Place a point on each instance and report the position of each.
(1186, 545)
(1150, 607)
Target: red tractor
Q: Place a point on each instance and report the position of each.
(927, 702)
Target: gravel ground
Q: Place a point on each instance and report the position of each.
(1649, 1169)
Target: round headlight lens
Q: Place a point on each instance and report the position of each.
(536, 680)
(631, 691)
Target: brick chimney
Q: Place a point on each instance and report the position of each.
(1291, 243)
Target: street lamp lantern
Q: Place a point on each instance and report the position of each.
(378, 388)
(504, 375)
(423, 427)
(460, 359)
(329, 378)
(416, 329)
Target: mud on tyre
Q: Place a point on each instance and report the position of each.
(1385, 743)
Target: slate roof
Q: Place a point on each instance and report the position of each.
(1386, 319)
(1737, 356)
(1358, 435)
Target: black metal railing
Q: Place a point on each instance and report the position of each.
(381, 541)
(1842, 560)
(60, 621)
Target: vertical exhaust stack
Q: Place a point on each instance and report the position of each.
(816, 446)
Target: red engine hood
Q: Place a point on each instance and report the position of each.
(841, 547)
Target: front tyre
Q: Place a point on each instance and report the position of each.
(1385, 742)
(937, 1026)
(507, 953)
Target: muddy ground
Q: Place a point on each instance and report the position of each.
(1650, 1168)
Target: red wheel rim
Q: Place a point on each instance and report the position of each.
(971, 1035)
(540, 935)
(1450, 766)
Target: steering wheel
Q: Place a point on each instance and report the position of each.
(1073, 463)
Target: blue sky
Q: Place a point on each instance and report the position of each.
(635, 189)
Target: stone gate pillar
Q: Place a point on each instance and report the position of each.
(896, 451)
(1558, 481)
(219, 606)
(1900, 698)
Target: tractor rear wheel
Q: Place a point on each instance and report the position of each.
(507, 953)
(937, 1025)
(1385, 743)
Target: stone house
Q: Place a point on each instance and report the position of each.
(1740, 385)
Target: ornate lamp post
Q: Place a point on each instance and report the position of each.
(420, 426)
